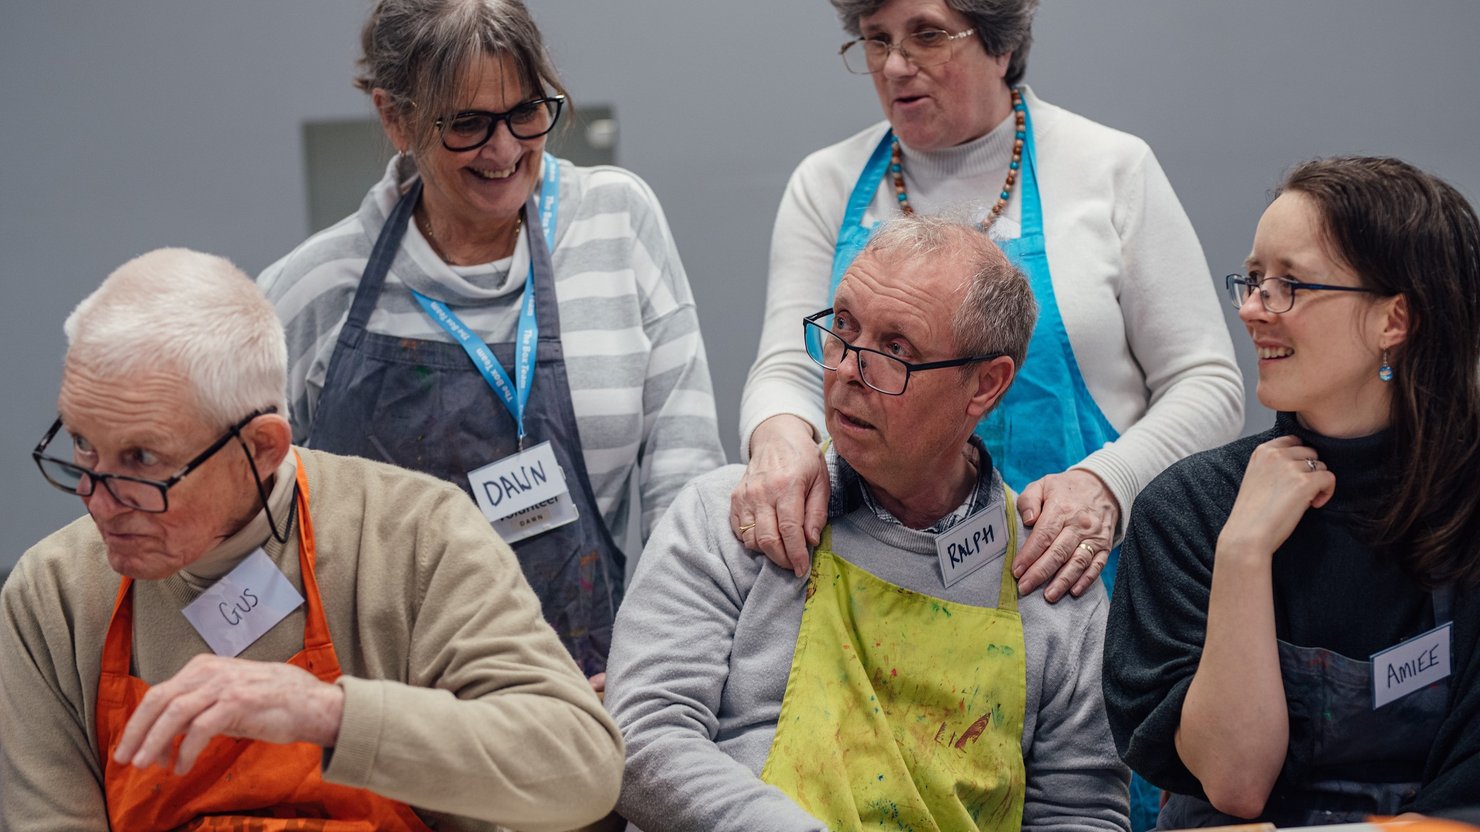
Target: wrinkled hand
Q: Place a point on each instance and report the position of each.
(780, 505)
(214, 695)
(1283, 480)
(1073, 516)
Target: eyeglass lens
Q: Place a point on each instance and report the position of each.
(132, 493)
(529, 120)
(1276, 294)
(881, 372)
(928, 48)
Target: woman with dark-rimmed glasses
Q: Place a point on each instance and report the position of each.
(1293, 635)
(496, 317)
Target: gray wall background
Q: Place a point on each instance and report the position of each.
(129, 126)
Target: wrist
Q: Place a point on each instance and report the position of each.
(1235, 550)
(328, 714)
(783, 427)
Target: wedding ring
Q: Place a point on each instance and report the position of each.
(1087, 547)
(1311, 464)
(747, 527)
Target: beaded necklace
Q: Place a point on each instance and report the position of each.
(896, 166)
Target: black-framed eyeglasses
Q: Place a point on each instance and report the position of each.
(927, 47)
(471, 129)
(135, 492)
(879, 370)
(1277, 294)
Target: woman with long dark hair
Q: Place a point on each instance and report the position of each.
(1293, 635)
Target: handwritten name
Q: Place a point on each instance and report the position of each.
(1401, 672)
(959, 552)
(524, 478)
(232, 611)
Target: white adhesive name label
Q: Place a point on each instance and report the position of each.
(1415, 664)
(247, 602)
(973, 543)
(517, 482)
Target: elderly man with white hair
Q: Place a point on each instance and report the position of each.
(905, 684)
(296, 639)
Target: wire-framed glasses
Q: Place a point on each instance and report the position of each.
(135, 492)
(471, 129)
(927, 47)
(1277, 294)
(879, 370)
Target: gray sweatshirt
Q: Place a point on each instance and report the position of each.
(704, 644)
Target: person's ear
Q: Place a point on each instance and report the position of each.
(992, 380)
(391, 119)
(1394, 322)
(269, 437)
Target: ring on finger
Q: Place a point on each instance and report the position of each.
(1310, 462)
(747, 527)
(1088, 548)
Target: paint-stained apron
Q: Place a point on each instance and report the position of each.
(903, 711)
(423, 405)
(236, 784)
(1047, 421)
(1334, 728)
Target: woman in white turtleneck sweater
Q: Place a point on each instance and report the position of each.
(1134, 364)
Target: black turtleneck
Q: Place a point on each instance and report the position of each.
(1331, 589)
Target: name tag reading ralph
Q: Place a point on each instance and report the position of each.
(973, 543)
(247, 602)
(1415, 664)
(524, 494)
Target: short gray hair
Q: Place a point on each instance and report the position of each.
(176, 310)
(998, 312)
(1003, 26)
(419, 50)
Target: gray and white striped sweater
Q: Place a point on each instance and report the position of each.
(635, 358)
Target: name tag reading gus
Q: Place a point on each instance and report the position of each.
(973, 543)
(524, 494)
(247, 602)
(1415, 664)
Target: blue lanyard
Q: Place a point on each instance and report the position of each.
(515, 395)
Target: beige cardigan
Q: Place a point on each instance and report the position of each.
(459, 698)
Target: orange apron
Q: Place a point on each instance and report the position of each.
(236, 784)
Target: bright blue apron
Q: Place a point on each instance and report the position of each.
(1048, 421)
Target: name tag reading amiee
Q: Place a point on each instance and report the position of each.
(1416, 663)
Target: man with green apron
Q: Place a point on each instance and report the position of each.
(903, 684)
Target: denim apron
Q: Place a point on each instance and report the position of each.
(423, 405)
(1047, 421)
(1333, 723)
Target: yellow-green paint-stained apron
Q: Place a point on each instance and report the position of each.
(903, 711)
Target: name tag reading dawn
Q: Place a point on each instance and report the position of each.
(973, 543)
(1415, 664)
(520, 483)
(247, 602)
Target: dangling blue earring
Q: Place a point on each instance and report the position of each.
(1385, 371)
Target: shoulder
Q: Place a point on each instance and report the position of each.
(333, 257)
(711, 491)
(1065, 624)
(605, 189)
(356, 490)
(1207, 475)
(63, 581)
(837, 166)
(1061, 130)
